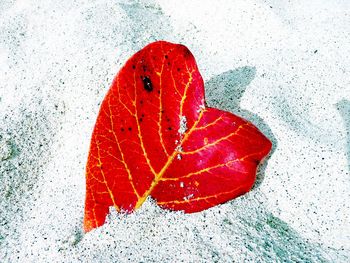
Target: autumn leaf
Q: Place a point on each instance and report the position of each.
(155, 136)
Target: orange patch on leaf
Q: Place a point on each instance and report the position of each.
(154, 136)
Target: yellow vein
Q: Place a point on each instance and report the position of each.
(120, 150)
(160, 107)
(215, 142)
(167, 164)
(202, 198)
(209, 124)
(99, 165)
(173, 79)
(139, 132)
(189, 82)
(89, 174)
(200, 171)
(120, 101)
(93, 209)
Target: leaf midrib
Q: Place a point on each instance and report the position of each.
(159, 175)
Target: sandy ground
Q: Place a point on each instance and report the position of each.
(284, 65)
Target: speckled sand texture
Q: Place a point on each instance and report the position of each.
(284, 65)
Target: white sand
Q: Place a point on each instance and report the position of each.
(283, 65)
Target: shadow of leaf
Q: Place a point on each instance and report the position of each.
(226, 90)
(343, 107)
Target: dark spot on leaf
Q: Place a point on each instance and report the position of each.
(315, 51)
(187, 52)
(133, 66)
(140, 119)
(122, 129)
(169, 128)
(129, 129)
(158, 91)
(178, 69)
(168, 63)
(166, 56)
(147, 84)
(142, 115)
(162, 111)
(144, 67)
(141, 101)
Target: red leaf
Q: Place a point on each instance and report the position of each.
(155, 136)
